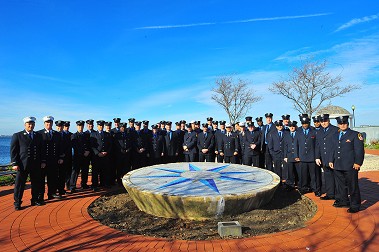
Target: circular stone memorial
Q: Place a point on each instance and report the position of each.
(200, 191)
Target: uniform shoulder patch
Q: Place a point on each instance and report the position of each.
(360, 137)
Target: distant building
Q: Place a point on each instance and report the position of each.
(334, 112)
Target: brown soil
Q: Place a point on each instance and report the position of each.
(287, 210)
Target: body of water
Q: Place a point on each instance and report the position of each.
(5, 144)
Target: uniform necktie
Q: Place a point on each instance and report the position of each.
(341, 134)
(205, 135)
(280, 134)
(31, 135)
(292, 134)
(51, 134)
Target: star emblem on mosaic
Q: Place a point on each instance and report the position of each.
(200, 178)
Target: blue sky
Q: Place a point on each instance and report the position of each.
(158, 60)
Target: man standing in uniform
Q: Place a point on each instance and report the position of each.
(81, 145)
(171, 141)
(260, 128)
(122, 152)
(189, 144)
(306, 145)
(218, 137)
(26, 159)
(205, 144)
(324, 144)
(157, 149)
(101, 144)
(228, 146)
(290, 156)
(52, 157)
(252, 143)
(89, 159)
(141, 151)
(346, 160)
(276, 147)
(267, 129)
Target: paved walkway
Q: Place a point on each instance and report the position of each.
(66, 225)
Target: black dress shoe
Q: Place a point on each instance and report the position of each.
(352, 210)
(318, 194)
(327, 198)
(340, 205)
(95, 189)
(17, 208)
(85, 186)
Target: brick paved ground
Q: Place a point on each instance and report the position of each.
(66, 225)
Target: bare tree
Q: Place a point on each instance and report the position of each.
(234, 96)
(310, 85)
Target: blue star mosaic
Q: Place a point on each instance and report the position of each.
(206, 177)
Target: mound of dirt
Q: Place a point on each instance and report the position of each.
(287, 210)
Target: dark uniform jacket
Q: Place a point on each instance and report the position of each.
(206, 142)
(290, 148)
(26, 152)
(171, 145)
(80, 143)
(157, 145)
(190, 140)
(101, 142)
(51, 147)
(122, 143)
(140, 140)
(348, 150)
(276, 144)
(264, 133)
(229, 144)
(306, 145)
(324, 143)
(218, 136)
(253, 137)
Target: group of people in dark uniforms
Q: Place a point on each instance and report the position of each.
(296, 153)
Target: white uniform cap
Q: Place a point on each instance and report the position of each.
(241, 124)
(29, 119)
(48, 118)
(228, 125)
(193, 121)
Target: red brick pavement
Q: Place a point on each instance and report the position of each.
(66, 225)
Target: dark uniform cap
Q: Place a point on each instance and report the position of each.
(59, 123)
(259, 119)
(305, 120)
(324, 117)
(108, 123)
(292, 124)
(117, 120)
(215, 122)
(286, 117)
(210, 119)
(90, 122)
(303, 115)
(122, 125)
(177, 123)
(66, 123)
(268, 115)
(183, 121)
(343, 120)
(162, 122)
(131, 120)
(188, 125)
(197, 122)
(100, 122)
(278, 123)
(248, 118)
(80, 122)
(316, 118)
(205, 125)
(222, 122)
(168, 123)
(154, 126)
(145, 122)
(138, 123)
(250, 124)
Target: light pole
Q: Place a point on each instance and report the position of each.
(353, 108)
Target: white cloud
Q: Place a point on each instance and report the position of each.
(356, 21)
(233, 22)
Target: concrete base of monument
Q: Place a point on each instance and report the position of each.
(199, 191)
